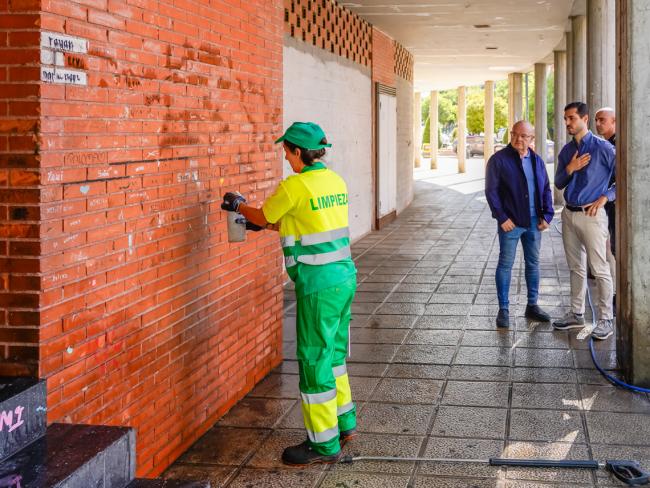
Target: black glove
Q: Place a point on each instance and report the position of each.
(232, 201)
(253, 227)
(249, 225)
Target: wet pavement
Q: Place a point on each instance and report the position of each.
(431, 375)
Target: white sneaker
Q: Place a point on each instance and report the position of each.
(603, 329)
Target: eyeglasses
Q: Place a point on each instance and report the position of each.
(525, 137)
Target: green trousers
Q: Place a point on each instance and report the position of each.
(323, 326)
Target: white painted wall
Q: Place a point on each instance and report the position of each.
(335, 93)
(405, 145)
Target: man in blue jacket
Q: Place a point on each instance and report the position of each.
(518, 192)
(584, 171)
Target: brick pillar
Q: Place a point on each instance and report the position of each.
(20, 177)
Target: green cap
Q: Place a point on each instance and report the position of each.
(305, 134)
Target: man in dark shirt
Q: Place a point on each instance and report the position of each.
(606, 128)
(584, 172)
(519, 194)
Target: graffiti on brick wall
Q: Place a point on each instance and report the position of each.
(8, 420)
(60, 53)
(11, 481)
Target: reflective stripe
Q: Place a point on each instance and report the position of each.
(289, 261)
(288, 241)
(317, 398)
(327, 236)
(339, 370)
(344, 408)
(325, 257)
(321, 437)
(320, 418)
(343, 392)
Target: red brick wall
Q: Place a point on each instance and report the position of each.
(148, 316)
(19, 194)
(383, 58)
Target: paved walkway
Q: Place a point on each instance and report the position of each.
(432, 376)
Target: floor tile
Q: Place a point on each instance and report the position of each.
(546, 425)
(406, 390)
(475, 422)
(618, 428)
(275, 478)
(442, 447)
(338, 479)
(396, 419)
(367, 444)
(224, 445)
(218, 476)
(256, 412)
(476, 393)
(562, 396)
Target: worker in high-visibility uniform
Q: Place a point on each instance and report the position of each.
(310, 210)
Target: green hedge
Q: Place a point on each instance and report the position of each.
(426, 134)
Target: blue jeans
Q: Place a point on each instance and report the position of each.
(531, 239)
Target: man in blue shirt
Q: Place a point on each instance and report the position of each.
(584, 171)
(518, 192)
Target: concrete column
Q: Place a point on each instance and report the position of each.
(632, 179)
(488, 114)
(541, 121)
(417, 131)
(601, 52)
(560, 101)
(515, 100)
(433, 120)
(462, 125)
(579, 61)
(569, 66)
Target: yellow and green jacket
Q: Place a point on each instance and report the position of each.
(312, 209)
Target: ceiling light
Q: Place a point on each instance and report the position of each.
(502, 68)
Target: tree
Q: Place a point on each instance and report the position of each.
(475, 108)
(426, 103)
(447, 106)
(426, 134)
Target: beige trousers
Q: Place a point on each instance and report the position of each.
(611, 260)
(585, 238)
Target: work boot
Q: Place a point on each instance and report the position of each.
(534, 312)
(503, 318)
(570, 321)
(304, 455)
(347, 435)
(602, 330)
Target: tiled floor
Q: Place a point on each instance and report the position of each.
(431, 374)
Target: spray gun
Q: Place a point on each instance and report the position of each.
(236, 227)
(237, 224)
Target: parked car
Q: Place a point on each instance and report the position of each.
(550, 151)
(474, 145)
